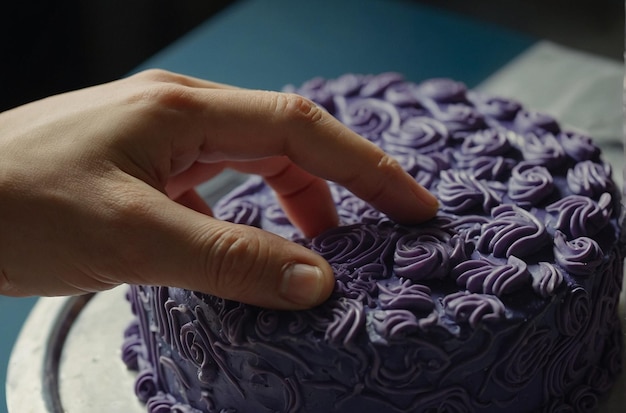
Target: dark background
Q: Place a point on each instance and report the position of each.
(52, 46)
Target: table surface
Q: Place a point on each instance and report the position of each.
(266, 45)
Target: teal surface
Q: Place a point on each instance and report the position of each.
(269, 43)
(13, 313)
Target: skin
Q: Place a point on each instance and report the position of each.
(97, 189)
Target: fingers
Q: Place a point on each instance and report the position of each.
(292, 126)
(199, 253)
(242, 125)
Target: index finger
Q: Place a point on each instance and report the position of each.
(223, 124)
(261, 124)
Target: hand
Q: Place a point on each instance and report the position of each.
(88, 179)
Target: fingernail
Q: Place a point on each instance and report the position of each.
(302, 284)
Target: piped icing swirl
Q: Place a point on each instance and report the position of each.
(495, 107)
(578, 146)
(530, 184)
(483, 276)
(369, 117)
(474, 308)
(460, 192)
(421, 257)
(590, 179)
(581, 256)
(420, 134)
(513, 232)
(543, 150)
(579, 216)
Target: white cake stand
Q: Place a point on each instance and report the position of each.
(68, 359)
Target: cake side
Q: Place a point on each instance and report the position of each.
(507, 298)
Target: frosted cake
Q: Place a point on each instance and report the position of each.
(506, 301)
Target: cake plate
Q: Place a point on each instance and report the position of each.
(68, 359)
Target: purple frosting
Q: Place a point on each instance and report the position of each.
(581, 216)
(509, 294)
(530, 184)
(513, 231)
(420, 134)
(590, 179)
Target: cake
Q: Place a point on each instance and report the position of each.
(505, 301)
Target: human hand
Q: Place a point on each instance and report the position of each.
(88, 179)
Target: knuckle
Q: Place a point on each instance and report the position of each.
(163, 96)
(387, 169)
(387, 165)
(297, 108)
(233, 260)
(155, 75)
(124, 213)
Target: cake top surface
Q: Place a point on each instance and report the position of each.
(528, 209)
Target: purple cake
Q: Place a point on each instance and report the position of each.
(506, 301)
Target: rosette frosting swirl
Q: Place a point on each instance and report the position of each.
(490, 168)
(590, 179)
(530, 184)
(473, 308)
(355, 246)
(543, 150)
(513, 232)
(421, 134)
(580, 216)
(488, 142)
(495, 107)
(459, 119)
(414, 297)
(368, 117)
(421, 257)
(460, 191)
(534, 122)
(580, 256)
(578, 146)
(482, 276)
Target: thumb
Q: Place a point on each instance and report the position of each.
(179, 247)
